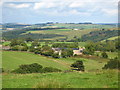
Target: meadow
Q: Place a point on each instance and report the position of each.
(111, 55)
(100, 79)
(93, 77)
(67, 32)
(19, 58)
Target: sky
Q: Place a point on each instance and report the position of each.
(63, 11)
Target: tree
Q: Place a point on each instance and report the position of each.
(89, 48)
(29, 68)
(47, 50)
(78, 64)
(104, 55)
(67, 53)
(55, 55)
(112, 64)
(35, 44)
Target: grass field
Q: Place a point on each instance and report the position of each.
(111, 55)
(19, 58)
(100, 79)
(11, 60)
(85, 26)
(67, 32)
(112, 38)
(93, 77)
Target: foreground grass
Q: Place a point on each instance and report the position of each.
(99, 79)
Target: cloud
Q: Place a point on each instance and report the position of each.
(110, 12)
(44, 5)
(77, 4)
(24, 5)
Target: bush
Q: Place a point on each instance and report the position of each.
(104, 55)
(31, 68)
(112, 64)
(56, 55)
(51, 69)
(78, 64)
(34, 68)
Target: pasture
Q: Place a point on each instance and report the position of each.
(100, 79)
(93, 77)
(67, 32)
(12, 59)
(111, 55)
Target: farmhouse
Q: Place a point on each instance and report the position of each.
(76, 51)
(57, 50)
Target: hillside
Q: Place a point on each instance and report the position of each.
(92, 77)
(59, 31)
(19, 58)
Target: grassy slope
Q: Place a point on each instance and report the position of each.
(69, 33)
(111, 38)
(11, 60)
(111, 55)
(92, 78)
(100, 79)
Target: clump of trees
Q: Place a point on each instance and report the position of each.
(18, 45)
(99, 35)
(65, 45)
(79, 65)
(104, 55)
(34, 68)
(112, 64)
(107, 46)
(66, 53)
(46, 50)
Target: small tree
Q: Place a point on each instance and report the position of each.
(104, 55)
(112, 64)
(78, 64)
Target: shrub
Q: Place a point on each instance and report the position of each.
(34, 68)
(55, 55)
(78, 64)
(51, 69)
(31, 68)
(112, 64)
(104, 55)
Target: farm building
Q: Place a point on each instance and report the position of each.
(76, 51)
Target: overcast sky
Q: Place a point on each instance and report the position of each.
(38, 11)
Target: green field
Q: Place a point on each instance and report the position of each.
(112, 38)
(11, 60)
(111, 55)
(100, 79)
(93, 77)
(84, 26)
(67, 32)
(19, 58)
